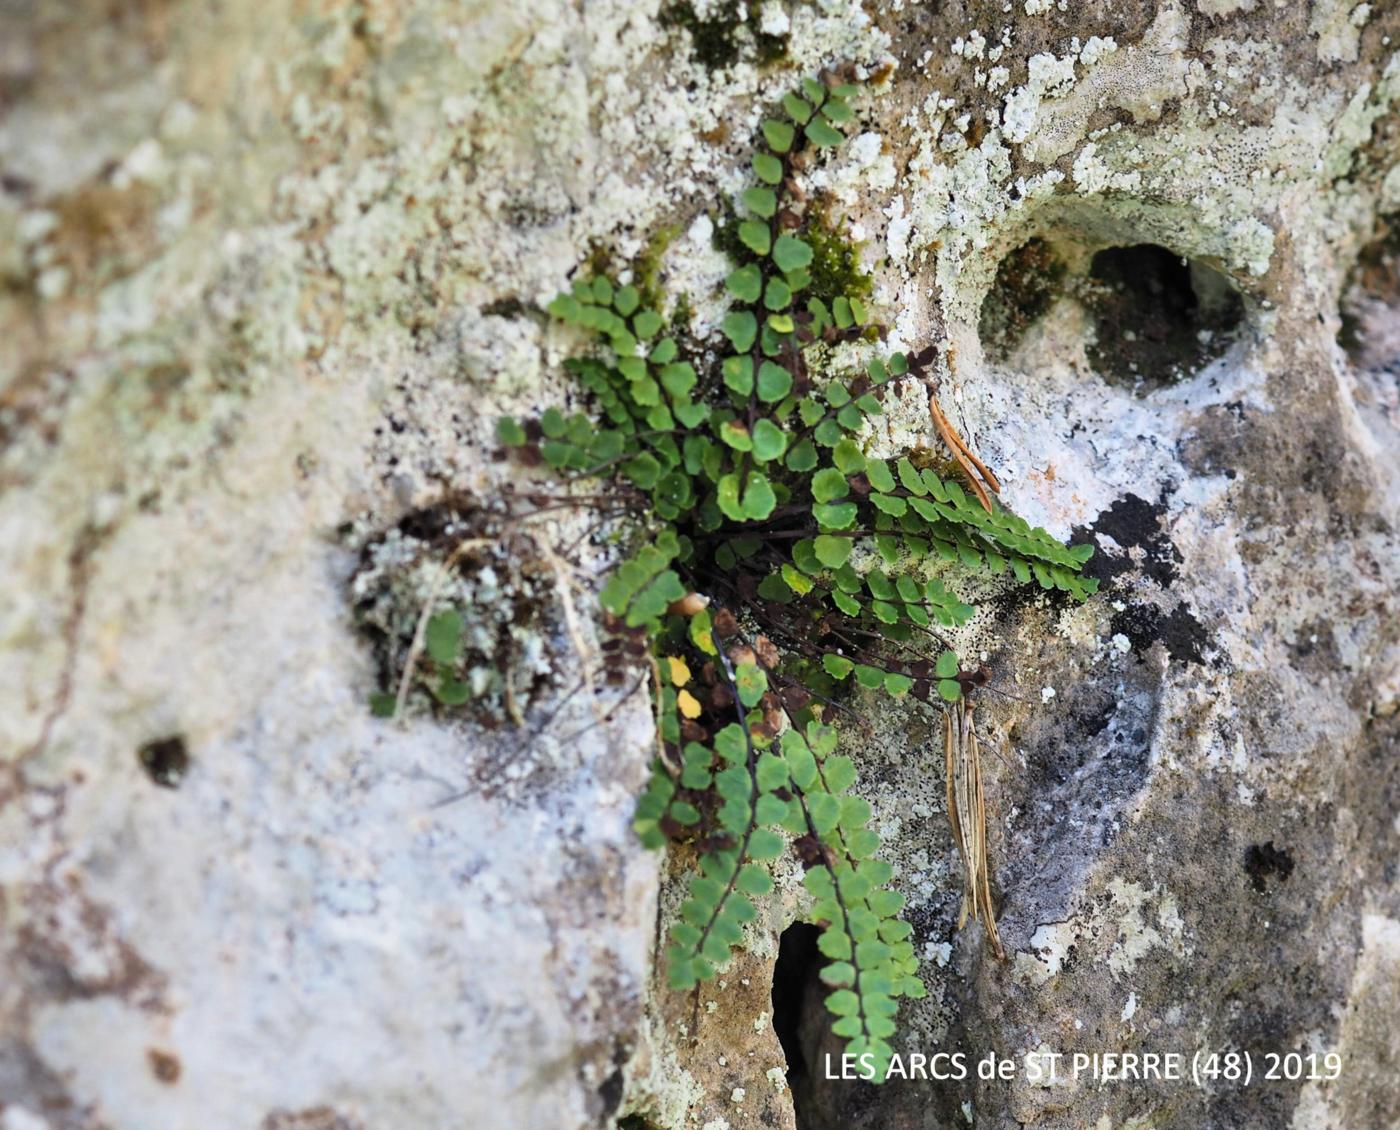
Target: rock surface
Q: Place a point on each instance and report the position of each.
(271, 270)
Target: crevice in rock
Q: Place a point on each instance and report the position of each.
(795, 970)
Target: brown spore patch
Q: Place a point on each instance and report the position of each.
(165, 1066)
(310, 1118)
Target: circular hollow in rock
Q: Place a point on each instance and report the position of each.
(1159, 318)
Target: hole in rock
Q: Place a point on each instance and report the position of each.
(793, 975)
(1158, 318)
(165, 760)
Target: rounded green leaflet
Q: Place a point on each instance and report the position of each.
(774, 382)
(678, 378)
(820, 133)
(552, 423)
(837, 666)
(738, 374)
(835, 110)
(779, 135)
(829, 484)
(802, 457)
(646, 324)
(890, 504)
(850, 418)
(727, 496)
(946, 666)
(898, 685)
(746, 283)
(755, 236)
(879, 585)
(759, 499)
(741, 328)
(872, 678)
(683, 812)
(878, 472)
(832, 551)
(777, 295)
(781, 323)
(765, 844)
(626, 300)
(735, 435)
(443, 636)
(509, 432)
(791, 253)
(753, 880)
(751, 683)
(848, 458)
(804, 558)
(690, 414)
(797, 109)
(761, 202)
(566, 308)
(835, 515)
(849, 605)
(768, 168)
(769, 440)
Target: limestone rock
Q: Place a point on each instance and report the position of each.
(270, 273)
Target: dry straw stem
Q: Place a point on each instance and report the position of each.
(967, 815)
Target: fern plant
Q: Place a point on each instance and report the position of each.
(782, 564)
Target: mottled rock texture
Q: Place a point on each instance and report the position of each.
(267, 273)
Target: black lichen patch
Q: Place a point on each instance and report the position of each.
(727, 33)
(1158, 318)
(1183, 636)
(1264, 861)
(165, 761)
(1133, 523)
(1028, 280)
